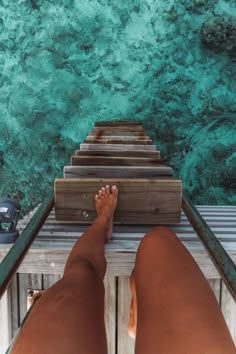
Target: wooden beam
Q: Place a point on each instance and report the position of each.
(117, 123)
(117, 171)
(112, 153)
(118, 141)
(108, 133)
(121, 139)
(141, 201)
(116, 147)
(119, 128)
(115, 161)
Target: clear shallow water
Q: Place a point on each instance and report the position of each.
(171, 65)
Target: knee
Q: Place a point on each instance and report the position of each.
(157, 238)
(85, 264)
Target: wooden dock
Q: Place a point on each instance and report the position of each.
(44, 264)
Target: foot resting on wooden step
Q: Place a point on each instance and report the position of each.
(105, 203)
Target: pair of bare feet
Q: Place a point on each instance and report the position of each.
(105, 203)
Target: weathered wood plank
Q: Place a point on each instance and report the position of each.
(228, 307)
(50, 258)
(27, 282)
(125, 343)
(14, 295)
(107, 133)
(140, 201)
(111, 153)
(122, 139)
(49, 280)
(117, 172)
(116, 147)
(215, 285)
(118, 142)
(5, 321)
(118, 129)
(118, 123)
(115, 161)
(110, 312)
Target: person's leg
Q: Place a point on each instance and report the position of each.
(174, 310)
(69, 317)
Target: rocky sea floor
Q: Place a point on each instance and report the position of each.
(170, 65)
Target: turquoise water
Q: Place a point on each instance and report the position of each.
(171, 65)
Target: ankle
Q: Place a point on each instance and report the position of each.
(102, 221)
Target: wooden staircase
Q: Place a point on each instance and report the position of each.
(119, 153)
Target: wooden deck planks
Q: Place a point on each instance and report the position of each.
(140, 201)
(53, 244)
(110, 312)
(228, 307)
(5, 322)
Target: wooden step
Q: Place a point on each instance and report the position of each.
(121, 139)
(115, 161)
(117, 123)
(117, 172)
(116, 147)
(112, 153)
(118, 141)
(140, 201)
(120, 128)
(98, 133)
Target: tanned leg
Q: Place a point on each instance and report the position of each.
(69, 317)
(173, 310)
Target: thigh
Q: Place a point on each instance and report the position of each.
(69, 317)
(176, 309)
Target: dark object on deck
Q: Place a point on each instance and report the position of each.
(9, 214)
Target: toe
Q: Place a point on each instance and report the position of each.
(114, 190)
(96, 197)
(108, 190)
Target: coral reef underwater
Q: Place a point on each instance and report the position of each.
(66, 64)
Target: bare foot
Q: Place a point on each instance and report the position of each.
(105, 203)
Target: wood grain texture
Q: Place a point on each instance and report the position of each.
(27, 282)
(112, 153)
(14, 295)
(5, 321)
(50, 279)
(116, 147)
(117, 132)
(228, 308)
(120, 128)
(118, 141)
(118, 123)
(140, 201)
(115, 161)
(215, 285)
(121, 138)
(117, 172)
(125, 344)
(110, 312)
